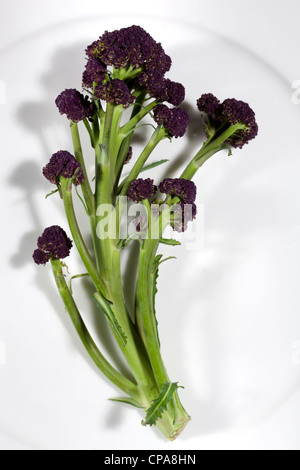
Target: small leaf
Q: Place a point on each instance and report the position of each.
(52, 192)
(153, 165)
(76, 277)
(127, 400)
(169, 241)
(82, 201)
(105, 306)
(160, 403)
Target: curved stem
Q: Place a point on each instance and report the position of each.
(86, 188)
(66, 187)
(106, 368)
(158, 135)
(210, 148)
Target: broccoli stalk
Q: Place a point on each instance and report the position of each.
(126, 68)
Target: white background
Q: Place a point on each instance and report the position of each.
(267, 28)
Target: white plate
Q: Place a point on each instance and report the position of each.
(228, 311)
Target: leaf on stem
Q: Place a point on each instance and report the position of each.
(104, 304)
(128, 401)
(52, 192)
(76, 277)
(169, 241)
(160, 403)
(154, 164)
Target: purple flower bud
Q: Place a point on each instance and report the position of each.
(95, 71)
(174, 92)
(208, 104)
(186, 190)
(174, 120)
(230, 112)
(131, 46)
(240, 112)
(40, 256)
(115, 91)
(162, 114)
(52, 243)
(141, 189)
(76, 106)
(62, 163)
(183, 214)
(178, 122)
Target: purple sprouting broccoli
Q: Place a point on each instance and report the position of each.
(130, 47)
(133, 48)
(75, 105)
(141, 189)
(174, 120)
(115, 91)
(62, 163)
(53, 243)
(230, 112)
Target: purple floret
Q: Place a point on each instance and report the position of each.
(160, 88)
(115, 91)
(40, 256)
(183, 214)
(240, 112)
(141, 189)
(161, 114)
(178, 122)
(95, 71)
(230, 112)
(76, 106)
(54, 242)
(174, 92)
(208, 104)
(131, 46)
(186, 190)
(62, 163)
(174, 120)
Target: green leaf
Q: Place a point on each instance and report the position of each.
(105, 306)
(160, 403)
(169, 241)
(153, 165)
(127, 400)
(82, 201)
(52, 192)
(76, 277)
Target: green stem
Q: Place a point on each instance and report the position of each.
(137, 117)
(126, 141)
(106, 368)
(66, 187)
(210, 148)
(86, 188)
(146, 320)
(158, 135)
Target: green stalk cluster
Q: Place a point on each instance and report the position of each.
(137, 338)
